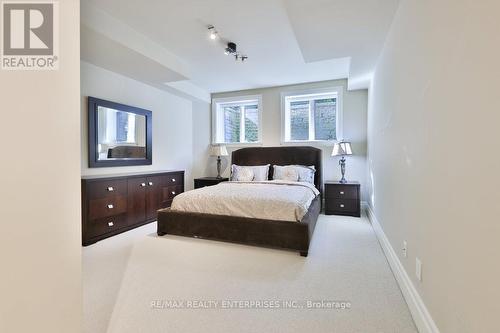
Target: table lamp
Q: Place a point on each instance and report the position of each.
(342, 148)
(218, 150)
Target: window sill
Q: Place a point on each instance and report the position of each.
(326, 143)
(240, 144)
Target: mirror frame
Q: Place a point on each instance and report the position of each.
(94, 162)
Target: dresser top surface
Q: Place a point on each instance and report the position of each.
(129, 174)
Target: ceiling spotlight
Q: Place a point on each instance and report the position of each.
(212, 32)
(230, 49)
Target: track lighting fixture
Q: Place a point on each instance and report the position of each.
(230, 48)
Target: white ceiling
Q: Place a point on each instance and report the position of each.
(355, 28)
(287, 41)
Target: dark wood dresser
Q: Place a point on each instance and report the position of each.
(113, 204)
(208, 181)
(342, 199)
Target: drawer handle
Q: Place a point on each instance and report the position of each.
(110, 189)
(110, 206)
(342, 192)
(150, 183)
(173, 192)
(342, 206)
(143, 184)
(111, 224)
(173, 180)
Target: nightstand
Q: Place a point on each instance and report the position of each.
(208, 181)
(342, 199)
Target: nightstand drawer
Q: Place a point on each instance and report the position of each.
(341, 191)
(342, 206)
(208, 181)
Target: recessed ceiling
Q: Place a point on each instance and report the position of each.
(342, 28)
(287, 41)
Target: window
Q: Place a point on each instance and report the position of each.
(312, 115)
(125, 127)
(237, 120)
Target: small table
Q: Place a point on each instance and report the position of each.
(208, 181)
(342, 199)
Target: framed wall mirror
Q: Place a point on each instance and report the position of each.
(119, 135)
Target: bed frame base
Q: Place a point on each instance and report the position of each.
(269, 233)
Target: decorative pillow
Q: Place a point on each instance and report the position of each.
(304, 173)
(245, 175)
(290, 174)
(259, 172)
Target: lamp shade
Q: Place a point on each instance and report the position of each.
(218, 150)
(342, 148)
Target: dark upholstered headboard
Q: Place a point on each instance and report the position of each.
(127, 152)
(281, 156)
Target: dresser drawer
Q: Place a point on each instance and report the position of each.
(172, 191)
(342, 206)
(99, 208)
(105, 225)
(106, 188)
(175, 179)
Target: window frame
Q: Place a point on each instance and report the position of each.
(130, 117)
(240, 101)
(302, 95)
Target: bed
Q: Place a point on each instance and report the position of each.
(283, 232)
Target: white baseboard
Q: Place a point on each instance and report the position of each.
(419, 312)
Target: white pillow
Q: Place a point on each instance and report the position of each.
(260, 172)
(290, 174)
(245, 175)
(304, 173)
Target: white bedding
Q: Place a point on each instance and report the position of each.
(273, 200)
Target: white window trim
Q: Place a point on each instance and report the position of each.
(339, 119)
(236, 100)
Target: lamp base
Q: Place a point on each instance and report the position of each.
(218, 168)
(342, 170)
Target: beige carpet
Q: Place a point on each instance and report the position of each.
(133, 282)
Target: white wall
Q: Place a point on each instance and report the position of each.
(172, 120)
(434, 160)
(40, 241)
(355, 118)
(203, 164)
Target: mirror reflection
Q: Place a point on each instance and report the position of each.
(121, 135)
